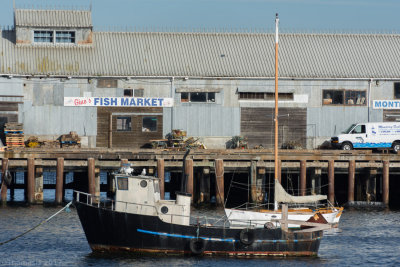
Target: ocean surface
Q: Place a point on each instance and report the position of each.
(364, 238)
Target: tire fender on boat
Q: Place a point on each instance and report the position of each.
(247, 236)
(197, 245)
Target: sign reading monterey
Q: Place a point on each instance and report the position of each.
(386, 104)
(118, 102)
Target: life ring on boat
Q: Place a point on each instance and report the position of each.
(197, 246)
(247, 236)
(7, 178)
(269, 225)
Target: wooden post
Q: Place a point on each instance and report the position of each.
(261, 185)
(38, 186)
(253, 181)
(331, 181)
(205, 185)
(189, 173)
(303, 181)
(97, 183)
(110, 131)
(4, 167)
(160, 174)
(219, 182)
(385, 183)
(91, 176)
(316, 181)
(352, 168)
(371, 185)
(59, 181)
(30, 185)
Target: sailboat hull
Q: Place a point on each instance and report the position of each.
(109, 230)
(259, 218)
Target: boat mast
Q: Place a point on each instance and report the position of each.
(276, 176)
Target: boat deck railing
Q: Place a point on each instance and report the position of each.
(108, 203)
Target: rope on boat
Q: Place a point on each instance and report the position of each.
(66, 207)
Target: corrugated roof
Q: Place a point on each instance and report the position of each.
(210, 55)
(53, 18)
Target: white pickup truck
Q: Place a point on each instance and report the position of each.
(369, 135)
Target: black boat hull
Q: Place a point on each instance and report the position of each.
(108, 230)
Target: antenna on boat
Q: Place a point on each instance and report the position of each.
(276, 176)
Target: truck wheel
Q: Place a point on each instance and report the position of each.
(396, 147)
(348, 146)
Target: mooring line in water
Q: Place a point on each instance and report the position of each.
(42, 222)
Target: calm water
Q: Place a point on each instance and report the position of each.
(364, 238)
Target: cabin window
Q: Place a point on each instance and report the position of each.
(124, 124)
(66, 37)
(122, 183)
(198, 97)
(397, 90)
(128, 92)
(43, 36)
(139, 92)
(264, 96)
(344, 97)
(149, 124)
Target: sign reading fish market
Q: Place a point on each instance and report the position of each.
(118, 102)
(386, 104)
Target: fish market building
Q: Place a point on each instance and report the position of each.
(122, 89)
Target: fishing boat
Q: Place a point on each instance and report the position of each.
(258, 217)
(137, 220)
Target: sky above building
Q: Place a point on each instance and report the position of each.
(226, 15)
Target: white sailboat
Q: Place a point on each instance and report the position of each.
(263, 218)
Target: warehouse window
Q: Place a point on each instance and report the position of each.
(397, 90)
(66, 37)
(344, 97)
(107, 83)
(198, 97)
(43, 36)
(124, 124)
(128, 92)
(139, 92)
(149, 124)
(264, 96)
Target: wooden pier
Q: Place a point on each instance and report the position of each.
(355, 175)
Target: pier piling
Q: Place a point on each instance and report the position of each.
(30, 186)
(219, 182)
(189, 173)
(385, 183)
(91, 176)
(4, 188)
(303, 181)
(331, 181)
(59, 180)
(350, 192)
(38, 195)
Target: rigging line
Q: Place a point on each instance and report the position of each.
(42, 222)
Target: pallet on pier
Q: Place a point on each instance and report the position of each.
(14, 134)
(70, 140)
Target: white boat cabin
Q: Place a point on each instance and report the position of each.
(141, 195)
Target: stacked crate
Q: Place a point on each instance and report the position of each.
(14, 134)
